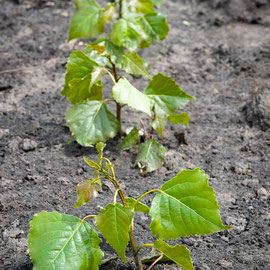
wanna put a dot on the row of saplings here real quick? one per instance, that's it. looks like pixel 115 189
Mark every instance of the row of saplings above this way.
pixel 184 206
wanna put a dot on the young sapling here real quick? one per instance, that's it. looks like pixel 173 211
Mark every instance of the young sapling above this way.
pixel 184 206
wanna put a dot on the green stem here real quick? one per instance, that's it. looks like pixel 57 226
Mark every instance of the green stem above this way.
pixel 131 234
pixel 108 99
pixel 90 216
pixel 144 245
pixel 151 191
pixel 110 74
pixel 148 192
pixel 115 196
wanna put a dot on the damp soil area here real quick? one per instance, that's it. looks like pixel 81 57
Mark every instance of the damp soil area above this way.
pixel 217 51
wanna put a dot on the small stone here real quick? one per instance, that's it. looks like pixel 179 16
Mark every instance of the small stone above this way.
pixel 4 133
pixel 14 144
pixel 252 183
pixel 63 180
pixel 240 168
pixel 262 192
pixel 204 267
pixel 224 238
pixel 29 145
pixel 162 170
pixel 38 179
pixel 64 14
pixel 225 264
pixel 190 241
pixel 176 48
pixel 239 223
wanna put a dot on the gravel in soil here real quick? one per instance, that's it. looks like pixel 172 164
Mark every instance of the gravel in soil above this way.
pixel 222 57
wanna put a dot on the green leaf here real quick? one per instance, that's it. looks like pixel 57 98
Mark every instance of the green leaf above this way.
pixel 133 64
pixel 92 163
pixel 182 118
pixel 190 208
pixel 159 124
pixel 96 91
pixel 168 96
pixel 179 254
pixel 157 2
pixel 78 77
pixel 155 26
pixel 86 191
pixel 87 22
pixel 137 6
pixel 91 122
pixel 128 32
pixel 84 90
pixel 114 223
pixel 99 49
pixel 59 241
pixel 97 75
pixel 124 92
pixel 144 6
pixel 109 13
pixel 79 89
pixel 109 48
pixel 130 140
pixel 140 207
pixel 135 31
pixel 100 147
pixel 152 154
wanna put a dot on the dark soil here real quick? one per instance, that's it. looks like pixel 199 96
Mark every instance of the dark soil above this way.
pixel 222 58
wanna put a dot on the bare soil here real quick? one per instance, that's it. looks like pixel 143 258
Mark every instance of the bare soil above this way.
pixel 222 58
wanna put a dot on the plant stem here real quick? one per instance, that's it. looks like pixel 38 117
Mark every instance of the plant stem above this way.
pixel 118 105
pixel 90 216
pixel 118 114
pixel 144 245
pixel 158 259
pixel 124 201
pixel 111 76
pixel 120 9
pixel 115 196
pixel 144 130
pixel 148 192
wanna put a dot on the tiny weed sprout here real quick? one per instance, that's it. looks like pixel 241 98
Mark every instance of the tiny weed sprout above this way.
pixel 184 206
pixel 89 119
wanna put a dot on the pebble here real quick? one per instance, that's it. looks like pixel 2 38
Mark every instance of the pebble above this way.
pixel 262 192
pixel 14 144
pixel 177 49
pixel 225 264
pixel 12 233
pixel 162 170
pixel 64 14
pixel 29 145
pixel 224 238
pixel 4 133
pixel 252 183
pixel 204 267
pixel 239 223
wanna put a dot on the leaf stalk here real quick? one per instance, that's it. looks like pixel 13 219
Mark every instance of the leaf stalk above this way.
pixel 144 245
pixel 89 216
pixel 158 259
